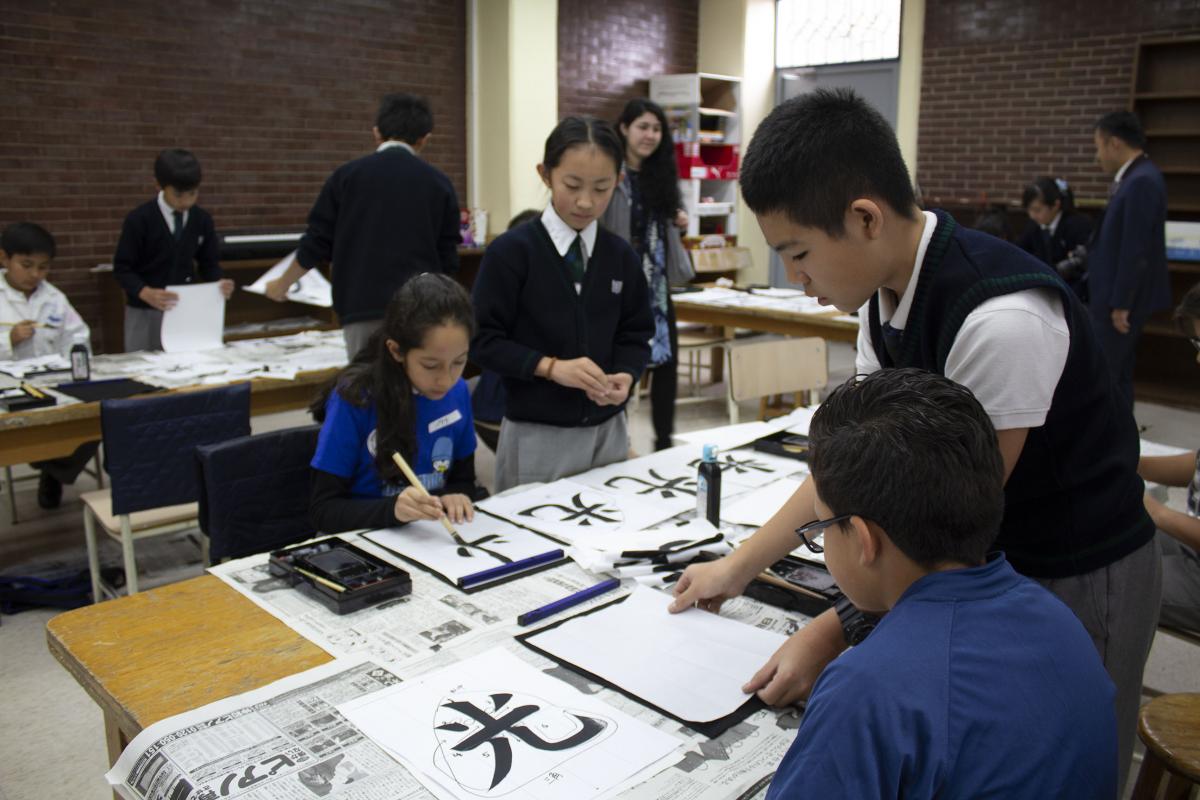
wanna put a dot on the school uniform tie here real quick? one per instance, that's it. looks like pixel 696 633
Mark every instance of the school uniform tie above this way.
pixel 178 231
pixel 891 342
pixel 574 260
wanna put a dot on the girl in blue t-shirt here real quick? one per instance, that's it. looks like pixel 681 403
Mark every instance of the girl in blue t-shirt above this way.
pixel 403 393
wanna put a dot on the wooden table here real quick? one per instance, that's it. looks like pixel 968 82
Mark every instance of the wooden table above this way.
pixel 56 431
pixel 161 652
pixel 768 320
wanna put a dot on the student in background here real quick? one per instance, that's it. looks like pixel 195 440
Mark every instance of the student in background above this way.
pixel 563 317
pixel 1178 531
pixel 1057 233
pixel 167 241
pixel 36 319
pixel 646 212
pixel 1127 263
pixel 402 393
pixel 825 179
pixel 936 701
pixel 488 399
pixel 380 220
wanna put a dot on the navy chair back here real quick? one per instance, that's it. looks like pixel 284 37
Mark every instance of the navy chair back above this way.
pixel 149 442
pixel 255 491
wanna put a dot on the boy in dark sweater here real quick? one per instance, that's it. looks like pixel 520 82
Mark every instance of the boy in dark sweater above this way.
pixel 167 241
pixel 380 220
pixel 825 179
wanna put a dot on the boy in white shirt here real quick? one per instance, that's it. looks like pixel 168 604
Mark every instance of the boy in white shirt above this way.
pixel 36 319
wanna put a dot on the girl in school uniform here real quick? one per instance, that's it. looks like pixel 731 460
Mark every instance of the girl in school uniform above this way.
pixel 646 212
pixel 402 393
pixel 563 317
pixel 1057 233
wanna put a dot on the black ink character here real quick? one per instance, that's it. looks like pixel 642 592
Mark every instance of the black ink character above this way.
pixel 495 730
pixel 581 511
pixel 668 487
pixel 741 467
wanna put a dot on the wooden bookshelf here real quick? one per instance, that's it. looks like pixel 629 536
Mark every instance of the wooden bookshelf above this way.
pixel 1165 94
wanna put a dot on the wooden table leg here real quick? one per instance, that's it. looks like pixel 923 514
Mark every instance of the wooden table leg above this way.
pixel 116 740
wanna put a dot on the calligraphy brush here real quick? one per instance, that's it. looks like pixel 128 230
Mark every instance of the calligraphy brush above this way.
pixel 420 487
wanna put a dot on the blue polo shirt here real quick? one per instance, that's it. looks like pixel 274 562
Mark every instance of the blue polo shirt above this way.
pixel 346 445
pixel 978 683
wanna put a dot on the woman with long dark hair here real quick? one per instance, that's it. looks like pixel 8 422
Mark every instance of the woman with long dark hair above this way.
pixel 646 211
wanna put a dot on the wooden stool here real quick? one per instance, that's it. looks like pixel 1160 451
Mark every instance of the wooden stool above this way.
pixel 1170 728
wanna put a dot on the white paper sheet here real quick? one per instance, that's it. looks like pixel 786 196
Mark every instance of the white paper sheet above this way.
pixel 494 726
pixel 751 469
pixel 691 665
pixel 575 513
pixel 491 542
pixel 664 478
pixel 1156 449
pixel 197 321
pixel 609 553
pixel 758 506
pixel 312 288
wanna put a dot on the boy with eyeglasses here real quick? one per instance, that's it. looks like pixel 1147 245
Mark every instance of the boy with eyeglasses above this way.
pixel 976 681
pixel 830 190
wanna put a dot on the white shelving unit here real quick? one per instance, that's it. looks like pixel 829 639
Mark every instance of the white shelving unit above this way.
pixel 704 111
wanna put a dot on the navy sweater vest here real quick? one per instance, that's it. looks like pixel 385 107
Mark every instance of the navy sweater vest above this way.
pixel 1073 502
pixel 526 307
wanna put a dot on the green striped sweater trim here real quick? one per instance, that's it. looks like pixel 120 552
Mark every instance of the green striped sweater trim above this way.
pixel 934 253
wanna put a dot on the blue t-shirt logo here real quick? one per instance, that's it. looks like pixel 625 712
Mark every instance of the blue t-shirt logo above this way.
pixel 442 455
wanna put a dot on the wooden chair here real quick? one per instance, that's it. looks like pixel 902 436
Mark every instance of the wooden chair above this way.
pixel 149 452
pixel 775 367
pixel 1169 727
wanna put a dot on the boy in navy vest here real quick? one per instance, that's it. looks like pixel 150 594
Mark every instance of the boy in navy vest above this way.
pixel 825 179
pixel 167 241
pixel 937 702
pixel 380 220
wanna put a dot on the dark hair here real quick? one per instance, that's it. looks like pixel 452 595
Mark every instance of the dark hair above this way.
pixel 659 175
pixel 1188 310
pixel 1125 126
pixel 916 454
pixel 373 376
pixel 577 131
pixel 525 216
pixel 1049 191
pixel 404 116
pixel 27 239
pixel 993 221
pixel 178 169
pixel 815 154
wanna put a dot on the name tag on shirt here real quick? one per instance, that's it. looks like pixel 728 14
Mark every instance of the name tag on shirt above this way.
pixel 441 422
pixel 616 287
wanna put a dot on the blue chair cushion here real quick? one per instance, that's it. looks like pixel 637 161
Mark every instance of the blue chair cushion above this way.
pixel 255 491
pixel 149 442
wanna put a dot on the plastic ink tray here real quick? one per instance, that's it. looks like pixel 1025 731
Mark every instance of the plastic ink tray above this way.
pixel 316 569
pixel 788 445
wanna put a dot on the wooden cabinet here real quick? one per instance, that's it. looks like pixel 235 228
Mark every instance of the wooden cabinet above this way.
pixel 1166 97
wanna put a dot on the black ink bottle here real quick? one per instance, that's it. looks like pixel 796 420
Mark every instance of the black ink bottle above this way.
pixel 80 368
pixel 708 487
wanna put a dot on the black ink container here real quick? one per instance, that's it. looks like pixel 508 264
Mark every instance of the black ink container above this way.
pixel 80 368
pixel 708 487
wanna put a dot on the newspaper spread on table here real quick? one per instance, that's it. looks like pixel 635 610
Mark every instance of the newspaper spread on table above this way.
pixel 276 358
pixel 286 741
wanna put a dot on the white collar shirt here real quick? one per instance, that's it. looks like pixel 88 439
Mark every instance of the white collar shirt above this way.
pixel 59 325
pixel 168 214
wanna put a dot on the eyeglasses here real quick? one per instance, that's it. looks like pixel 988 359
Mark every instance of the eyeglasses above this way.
pixel 809 531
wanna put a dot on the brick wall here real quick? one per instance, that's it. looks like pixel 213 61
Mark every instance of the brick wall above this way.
pixel 1010 90
pixel 270 95
pixel 607 50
